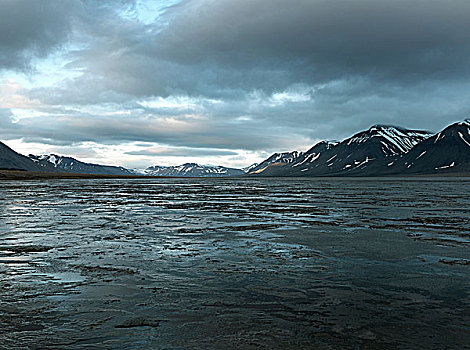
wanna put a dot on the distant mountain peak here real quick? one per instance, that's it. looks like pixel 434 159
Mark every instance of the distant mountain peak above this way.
pixel 54 159
pixel 466 122
pixel 384 127
pixel 281 158
pixel 287 153
pixel 391 130
pixel 394 140
pixel 192 170
pixel 463 126
pixel 328 142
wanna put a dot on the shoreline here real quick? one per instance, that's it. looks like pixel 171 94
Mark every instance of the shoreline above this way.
pixel 37 175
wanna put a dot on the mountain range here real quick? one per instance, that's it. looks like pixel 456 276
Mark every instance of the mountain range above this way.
pixel 382 150
pixel 53 162
pixel 193 170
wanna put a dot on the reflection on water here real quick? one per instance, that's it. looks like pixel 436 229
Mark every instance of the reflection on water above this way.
pixel 235 263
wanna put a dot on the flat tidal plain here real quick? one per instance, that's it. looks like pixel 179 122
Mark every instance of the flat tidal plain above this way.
pixel 235 264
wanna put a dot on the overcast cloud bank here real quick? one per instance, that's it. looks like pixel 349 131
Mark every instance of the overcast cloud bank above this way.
pixel 226 81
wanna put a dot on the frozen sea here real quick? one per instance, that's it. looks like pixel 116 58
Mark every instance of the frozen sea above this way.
pixel 235 264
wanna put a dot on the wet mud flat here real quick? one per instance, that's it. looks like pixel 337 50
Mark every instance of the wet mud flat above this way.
pixel 235 264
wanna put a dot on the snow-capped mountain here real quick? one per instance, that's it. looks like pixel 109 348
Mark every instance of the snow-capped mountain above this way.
pixel 277 159
pixel 360 155
pixel 446 151
pixel 72 165
pixel 193 170
pixel 393 140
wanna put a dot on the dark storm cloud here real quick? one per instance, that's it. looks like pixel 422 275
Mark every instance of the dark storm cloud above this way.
pixel 36 28
pixel 315 40
pixel 31 29
pixel 282 73
pixel 227 47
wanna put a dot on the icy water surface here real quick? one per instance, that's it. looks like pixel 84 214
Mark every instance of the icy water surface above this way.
pixel 235 264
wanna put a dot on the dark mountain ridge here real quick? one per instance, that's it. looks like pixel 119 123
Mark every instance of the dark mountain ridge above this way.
pixel 72 165
pixel 384 150
pixel 358 155
pixel 274 160
pixel 445 152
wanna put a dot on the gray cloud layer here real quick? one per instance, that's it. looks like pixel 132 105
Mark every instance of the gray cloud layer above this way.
pixel 31 29
pixel 261 74
pixel 225 47
pixel 322 40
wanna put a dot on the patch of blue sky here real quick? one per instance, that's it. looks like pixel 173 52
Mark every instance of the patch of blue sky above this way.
pixel 149 11
pixel 50 71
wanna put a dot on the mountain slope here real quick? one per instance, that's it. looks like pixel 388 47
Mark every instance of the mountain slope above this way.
pixel 277 159
pixel 447 151
pixel 250 168
pixel 72 165
pixel 11 160
pixel 363 154
pixel 193 170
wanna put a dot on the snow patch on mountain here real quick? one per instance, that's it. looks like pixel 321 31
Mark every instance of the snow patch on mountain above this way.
pixel 250 168
pixel 394 140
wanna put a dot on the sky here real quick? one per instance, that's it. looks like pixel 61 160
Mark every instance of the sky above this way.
pixel 224 82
